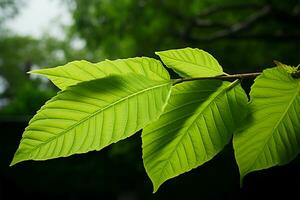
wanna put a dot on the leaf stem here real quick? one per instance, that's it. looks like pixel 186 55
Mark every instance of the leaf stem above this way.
pixel 219 77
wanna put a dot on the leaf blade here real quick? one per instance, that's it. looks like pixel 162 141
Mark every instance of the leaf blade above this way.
pixel 92 115
pixel 186 134
pixel 189 62
pixel 79 71
pixel 270 137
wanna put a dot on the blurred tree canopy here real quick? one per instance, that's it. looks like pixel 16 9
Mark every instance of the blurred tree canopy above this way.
pixel 242 35
pixel 20 93
pixel 19 55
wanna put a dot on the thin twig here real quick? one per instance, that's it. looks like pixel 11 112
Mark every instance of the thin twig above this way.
pixel 220 77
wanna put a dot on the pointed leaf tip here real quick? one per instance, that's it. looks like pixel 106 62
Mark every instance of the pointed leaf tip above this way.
pixel 14 161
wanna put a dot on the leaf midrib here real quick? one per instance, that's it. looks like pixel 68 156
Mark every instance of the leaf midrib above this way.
pixel 276 126
pixel 95 113
pixel 225 89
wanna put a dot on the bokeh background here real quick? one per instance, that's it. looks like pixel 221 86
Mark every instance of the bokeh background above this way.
pixel 245 36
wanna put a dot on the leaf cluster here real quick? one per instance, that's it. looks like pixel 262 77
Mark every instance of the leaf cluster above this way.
pixel 184 124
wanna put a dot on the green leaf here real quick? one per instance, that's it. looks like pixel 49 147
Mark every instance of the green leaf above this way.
pixel 197 123
pixel 190 62
pixel 92 115
pixel 270 135
pixel 79 71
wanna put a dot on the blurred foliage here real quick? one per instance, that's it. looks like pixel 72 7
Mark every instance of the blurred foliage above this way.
pixel 21 93
pixel 242 36
pixel 269 29
pixel 20 54
pixel 27 99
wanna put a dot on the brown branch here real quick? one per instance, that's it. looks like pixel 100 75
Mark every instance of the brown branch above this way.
pixel 221 8
pixel 233 31
pixel 277 37
pixel 209 23
pixel 247 23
